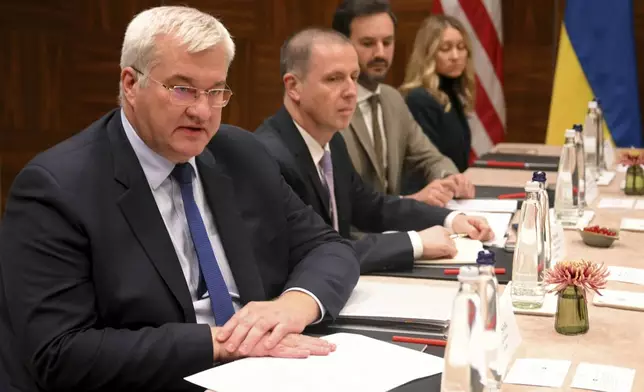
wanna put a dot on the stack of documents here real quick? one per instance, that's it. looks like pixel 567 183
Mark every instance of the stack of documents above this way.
pixel 417 306
pixel 358 364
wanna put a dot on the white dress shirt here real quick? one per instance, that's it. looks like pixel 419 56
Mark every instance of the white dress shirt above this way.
pixel 167 196
pixel 317 152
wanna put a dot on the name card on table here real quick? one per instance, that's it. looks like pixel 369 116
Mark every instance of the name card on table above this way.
pixel 632 224
pixel 626 274
pixel 605 178
pixel 557 239
pixel 620 300
pixel 509 333
pixel 609 154
pixel 540 372
pixel 592 191
pixel 603 378
pixel 617 203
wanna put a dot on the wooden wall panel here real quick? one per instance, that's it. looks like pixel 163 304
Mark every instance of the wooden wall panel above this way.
pixel 60 58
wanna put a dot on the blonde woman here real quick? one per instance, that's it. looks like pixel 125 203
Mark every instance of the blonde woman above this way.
pixel 439 86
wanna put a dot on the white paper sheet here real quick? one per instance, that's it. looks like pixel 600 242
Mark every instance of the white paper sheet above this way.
pixel 609 202
pixel 603 378
pixel 632 224
pixel 639 204
pixel 483 205
pixel 539 372
pixel 358 364
pixel 401 301
pixel 499 222
pixel 626 274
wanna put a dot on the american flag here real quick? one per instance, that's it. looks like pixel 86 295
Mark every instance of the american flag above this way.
pixel 482 20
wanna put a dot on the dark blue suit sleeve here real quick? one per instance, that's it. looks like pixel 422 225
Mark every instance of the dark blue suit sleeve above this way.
pixel 49 293
pixel 322 262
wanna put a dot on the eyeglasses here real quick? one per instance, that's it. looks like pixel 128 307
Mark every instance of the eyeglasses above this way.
pixel 186 95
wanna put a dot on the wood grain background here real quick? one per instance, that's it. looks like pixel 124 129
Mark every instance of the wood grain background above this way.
pixel 60 61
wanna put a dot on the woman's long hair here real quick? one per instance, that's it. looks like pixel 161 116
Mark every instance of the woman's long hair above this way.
pixel 421 68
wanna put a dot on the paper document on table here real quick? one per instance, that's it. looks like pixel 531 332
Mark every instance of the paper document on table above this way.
pixel 639 204
pixel 396 301
pixel 483 205
pixel 359 363
pixel 626 274
pixel 467 252
pixel 608 202
pixel 603 378
pixel 539 372
pixel 499 222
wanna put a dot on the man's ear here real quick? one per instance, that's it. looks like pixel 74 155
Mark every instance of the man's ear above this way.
pixel 292 86
pixel 128 81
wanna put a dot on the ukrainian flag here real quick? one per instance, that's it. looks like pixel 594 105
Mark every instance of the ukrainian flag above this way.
pixel 596 58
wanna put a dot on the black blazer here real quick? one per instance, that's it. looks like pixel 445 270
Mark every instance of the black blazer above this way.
pixel 358 204
pixel 449 131
pixel 92 296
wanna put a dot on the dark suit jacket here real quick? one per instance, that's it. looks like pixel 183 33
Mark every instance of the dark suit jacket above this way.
pixel 357 203
pixel 92 296
pixel 449 131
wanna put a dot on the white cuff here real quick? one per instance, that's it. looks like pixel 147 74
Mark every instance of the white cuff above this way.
pixel 322 310
pixel 416 244
pixel 450 218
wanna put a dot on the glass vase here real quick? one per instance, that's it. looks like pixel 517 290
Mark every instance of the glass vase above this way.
pixel 634 183
pixel 572 312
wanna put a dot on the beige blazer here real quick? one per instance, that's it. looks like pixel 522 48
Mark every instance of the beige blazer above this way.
pixel 408 148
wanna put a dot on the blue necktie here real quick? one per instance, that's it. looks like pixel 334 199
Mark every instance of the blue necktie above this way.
pixel 220 301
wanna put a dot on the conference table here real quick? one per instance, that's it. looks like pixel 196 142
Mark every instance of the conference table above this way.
pixel 616 337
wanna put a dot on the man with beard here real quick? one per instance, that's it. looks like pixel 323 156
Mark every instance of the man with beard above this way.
pixel 319 70
pixel 383 139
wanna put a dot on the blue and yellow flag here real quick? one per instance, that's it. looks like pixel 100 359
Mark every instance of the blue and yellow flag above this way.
pixel 596 58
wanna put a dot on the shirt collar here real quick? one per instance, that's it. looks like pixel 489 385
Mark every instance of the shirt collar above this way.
pixel 316 151
pixel 155 167
pixel 364 94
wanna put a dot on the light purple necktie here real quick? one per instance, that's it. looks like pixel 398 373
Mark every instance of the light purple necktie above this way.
pixel 327 170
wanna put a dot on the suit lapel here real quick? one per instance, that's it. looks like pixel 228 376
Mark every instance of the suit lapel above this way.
pixel 219 191
pixel 393 139
pixel 360 129
pixel 283 123
pixel 140 210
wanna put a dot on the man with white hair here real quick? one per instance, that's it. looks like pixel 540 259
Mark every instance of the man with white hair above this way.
pixel 131 257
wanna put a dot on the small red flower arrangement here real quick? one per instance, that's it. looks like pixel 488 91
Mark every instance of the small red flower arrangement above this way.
pixel 631 158
pixel 583 274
